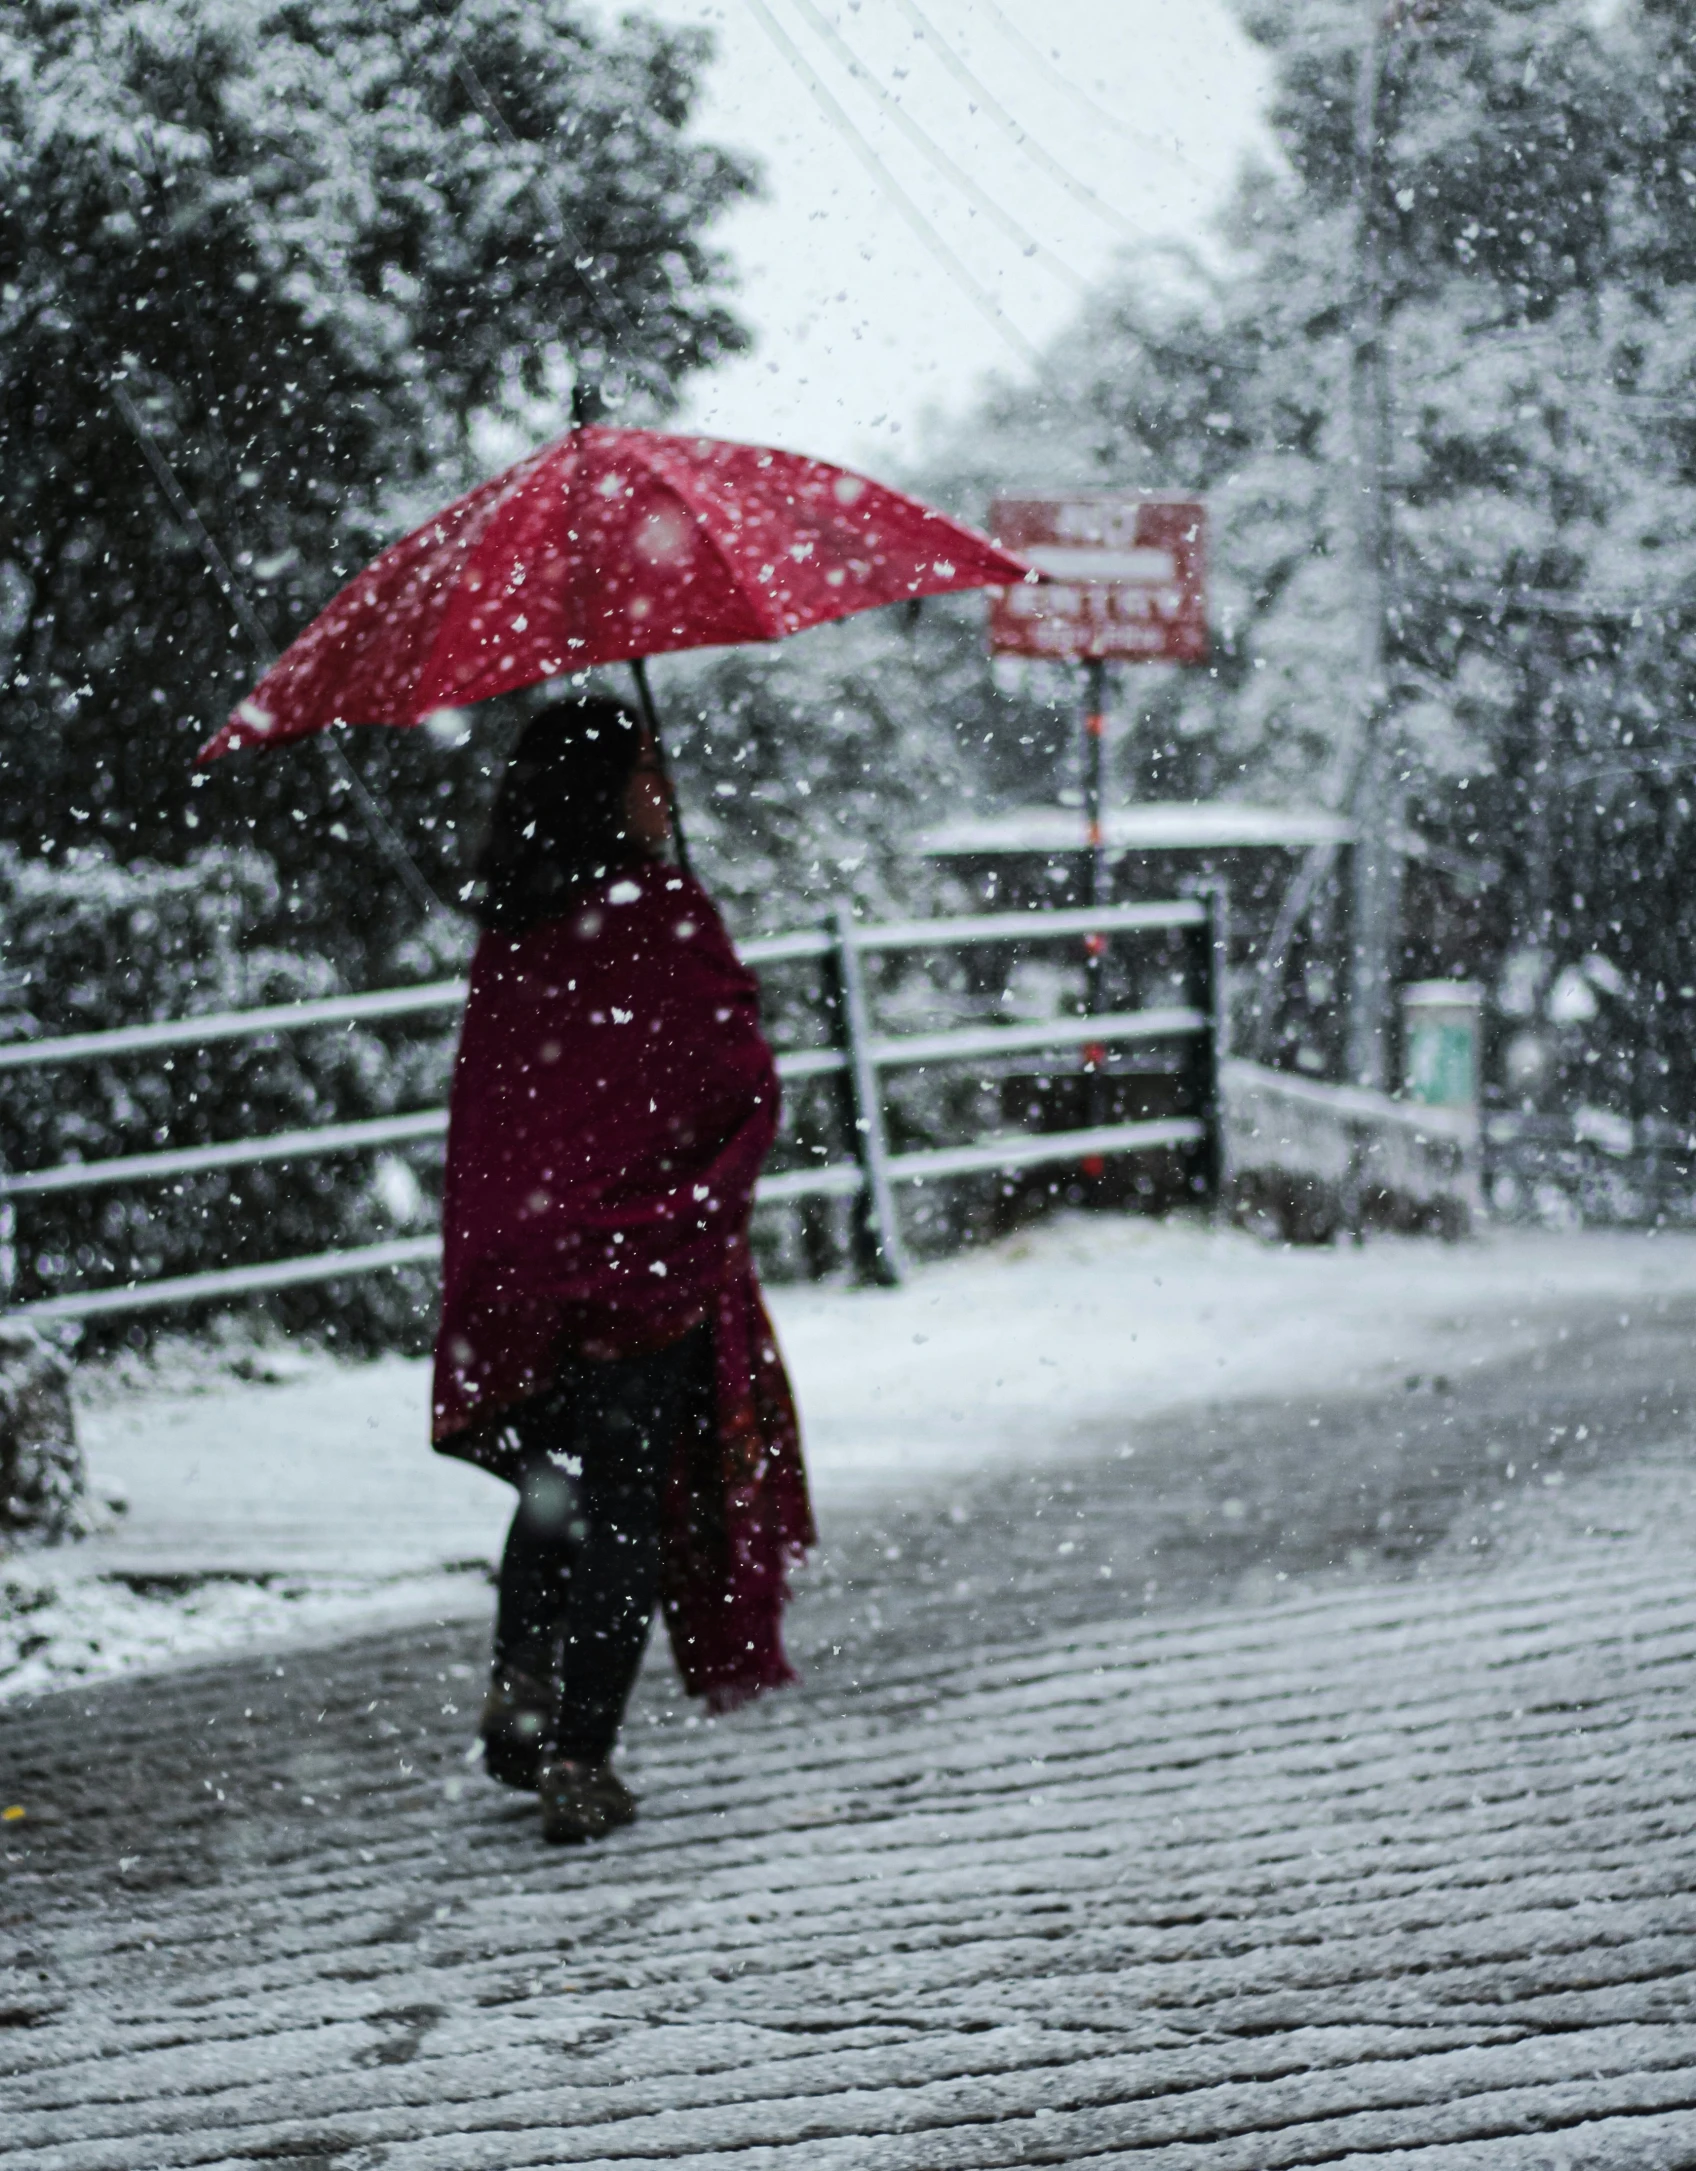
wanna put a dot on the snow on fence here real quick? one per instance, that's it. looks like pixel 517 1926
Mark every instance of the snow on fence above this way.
pixel 1320 1158
pixel 858 1060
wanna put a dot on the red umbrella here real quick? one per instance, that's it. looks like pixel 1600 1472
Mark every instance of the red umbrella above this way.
pixel 608 546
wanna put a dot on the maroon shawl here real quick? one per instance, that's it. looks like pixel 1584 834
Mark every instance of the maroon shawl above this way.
pixel 612 1103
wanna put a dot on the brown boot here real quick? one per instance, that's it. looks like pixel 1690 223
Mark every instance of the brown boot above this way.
pixel 582 1801
pixel 516 1712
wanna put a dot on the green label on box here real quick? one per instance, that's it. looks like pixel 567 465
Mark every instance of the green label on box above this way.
pixel 1441 1063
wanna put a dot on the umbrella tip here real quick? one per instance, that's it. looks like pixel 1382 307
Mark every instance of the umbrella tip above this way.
pixel 587 404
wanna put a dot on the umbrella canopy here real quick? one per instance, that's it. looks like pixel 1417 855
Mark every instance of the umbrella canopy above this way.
pixel 606 546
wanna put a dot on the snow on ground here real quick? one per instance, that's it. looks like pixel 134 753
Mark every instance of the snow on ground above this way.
pixel 306 1504
pixel 62 1621
pixel 1047 1341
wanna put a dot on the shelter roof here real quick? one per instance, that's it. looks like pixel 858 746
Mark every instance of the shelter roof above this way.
pixel 1162 826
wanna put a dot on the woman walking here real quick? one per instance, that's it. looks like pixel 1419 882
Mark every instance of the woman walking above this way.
pixel 603 1345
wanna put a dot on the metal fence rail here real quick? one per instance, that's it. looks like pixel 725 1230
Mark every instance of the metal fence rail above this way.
pixel 859 1060
pixel 233 1281
pixel 321 1138
pixel 1326 1158
pixel 232 1025
pixel 256 1024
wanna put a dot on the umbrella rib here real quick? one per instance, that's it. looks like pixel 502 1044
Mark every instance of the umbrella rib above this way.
pixel 774 629
pixel 511 481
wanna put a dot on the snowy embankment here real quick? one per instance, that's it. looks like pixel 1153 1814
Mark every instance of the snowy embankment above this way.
pixel 266 1509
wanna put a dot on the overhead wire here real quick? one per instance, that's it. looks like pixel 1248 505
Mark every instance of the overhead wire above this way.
pixel 930 149
pixel 1010 30
pixel 980 298
pixel 1037 152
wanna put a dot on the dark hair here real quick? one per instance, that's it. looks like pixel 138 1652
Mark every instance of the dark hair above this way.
pixel 557 824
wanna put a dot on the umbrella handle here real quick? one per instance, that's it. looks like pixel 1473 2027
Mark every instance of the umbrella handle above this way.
pixel 651 718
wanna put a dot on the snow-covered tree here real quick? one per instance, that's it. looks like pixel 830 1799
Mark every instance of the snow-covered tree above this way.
pixel 309 257
pixel 811 769
pixel 1532 214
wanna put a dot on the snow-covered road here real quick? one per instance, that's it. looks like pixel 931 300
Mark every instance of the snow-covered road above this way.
pixel 263 1513
pixel 1265 1743
pixel 1391 1872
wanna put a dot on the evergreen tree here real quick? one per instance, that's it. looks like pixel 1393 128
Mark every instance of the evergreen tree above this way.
pixel 1532 214
pixel 811 770
pixel 313 259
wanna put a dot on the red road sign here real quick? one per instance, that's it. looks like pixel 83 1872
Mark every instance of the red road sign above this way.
pixel 1126 578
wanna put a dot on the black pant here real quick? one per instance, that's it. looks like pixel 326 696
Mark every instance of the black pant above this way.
pixel 581 1569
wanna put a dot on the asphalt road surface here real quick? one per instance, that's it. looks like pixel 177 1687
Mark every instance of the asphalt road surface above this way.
pixel 1303 1784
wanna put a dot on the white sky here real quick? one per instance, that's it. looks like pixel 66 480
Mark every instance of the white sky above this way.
pixel 860 330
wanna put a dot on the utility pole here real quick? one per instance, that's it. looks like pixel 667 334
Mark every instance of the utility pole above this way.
pixel 1378 808
pixel 1094 749
pixel 1095 945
